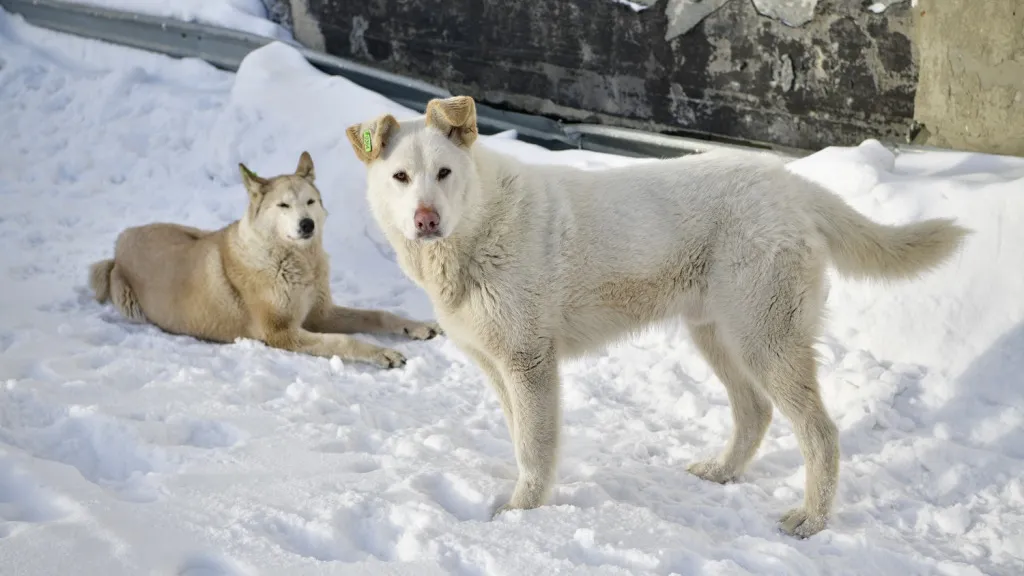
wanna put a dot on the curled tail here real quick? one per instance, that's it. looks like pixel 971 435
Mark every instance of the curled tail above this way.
pixel 99 279
pixel 862 248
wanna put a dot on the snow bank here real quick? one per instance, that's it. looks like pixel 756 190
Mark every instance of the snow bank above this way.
pixel 124 450
pixel 245 15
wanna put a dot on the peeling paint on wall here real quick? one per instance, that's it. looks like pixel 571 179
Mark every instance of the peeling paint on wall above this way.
pixel 279 12
pixel 683 15
pixel 636 6
pixel 790 12
pixel 879 6
pixel 844 76
pixel 305 27
pixel 782 73
pixel 356 40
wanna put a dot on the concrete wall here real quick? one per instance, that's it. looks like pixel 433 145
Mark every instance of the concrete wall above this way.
pixel 802 73
pixel 971 89
pixel 845 75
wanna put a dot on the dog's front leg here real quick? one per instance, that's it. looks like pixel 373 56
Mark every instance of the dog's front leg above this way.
pixel 532 384
pixel 497 381
pixel 329 345
pixel 340 320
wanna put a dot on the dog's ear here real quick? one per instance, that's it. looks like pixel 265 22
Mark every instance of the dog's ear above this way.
pixel 369 138
pixel 305 168
pixel 455 117
pixel 253 183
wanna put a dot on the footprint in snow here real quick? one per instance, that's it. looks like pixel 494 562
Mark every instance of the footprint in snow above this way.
pixel 102 449
pixel 352 534
pixel 23 501
pixel 213 565
pixel 454 495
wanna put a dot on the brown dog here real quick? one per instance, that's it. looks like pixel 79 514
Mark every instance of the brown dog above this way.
pixel 263 277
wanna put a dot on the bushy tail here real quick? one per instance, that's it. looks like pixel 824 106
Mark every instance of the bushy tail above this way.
pixel 861 248
pixel 99 279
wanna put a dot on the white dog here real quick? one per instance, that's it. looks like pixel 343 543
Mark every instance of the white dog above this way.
pixel 526 265
pixel 265 277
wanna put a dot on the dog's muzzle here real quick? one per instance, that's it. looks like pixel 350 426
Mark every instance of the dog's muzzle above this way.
pixel 428 223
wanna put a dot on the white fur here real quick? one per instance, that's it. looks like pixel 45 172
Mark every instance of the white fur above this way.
pixel 542 263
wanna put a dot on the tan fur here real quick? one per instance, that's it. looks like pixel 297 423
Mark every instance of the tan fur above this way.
pixel 539 263
pixel 380 129
pixel 256 278
pixel 99 279
pixel 455 117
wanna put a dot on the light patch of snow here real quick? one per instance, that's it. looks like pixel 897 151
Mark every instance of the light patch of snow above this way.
pixel 245 15
pixel 131 451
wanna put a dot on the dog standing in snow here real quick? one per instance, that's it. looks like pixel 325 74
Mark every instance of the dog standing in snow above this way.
pixel 527 265
pixel 263 277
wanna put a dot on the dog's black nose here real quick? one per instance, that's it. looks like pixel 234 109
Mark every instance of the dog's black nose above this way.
pixel 306 226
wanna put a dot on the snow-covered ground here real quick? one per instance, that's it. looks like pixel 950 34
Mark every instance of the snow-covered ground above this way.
pixel 245 15
pixel 124 450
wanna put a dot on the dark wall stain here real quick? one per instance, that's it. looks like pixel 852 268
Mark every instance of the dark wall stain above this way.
pixel 845 76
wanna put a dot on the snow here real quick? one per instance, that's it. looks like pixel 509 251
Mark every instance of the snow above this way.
pixel 124 450
pixel 244 15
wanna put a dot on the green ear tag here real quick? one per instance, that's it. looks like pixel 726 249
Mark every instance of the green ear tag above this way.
pixel 367 145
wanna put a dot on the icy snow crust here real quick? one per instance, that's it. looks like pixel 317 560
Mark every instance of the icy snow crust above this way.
pixel 124 450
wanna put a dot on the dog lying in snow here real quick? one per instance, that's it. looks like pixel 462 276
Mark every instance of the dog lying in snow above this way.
pixel 526 265
pixel 263 277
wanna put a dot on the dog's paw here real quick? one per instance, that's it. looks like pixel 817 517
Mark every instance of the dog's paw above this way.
pixel 798 523
pixel 502 509
pixel 711 470
pixel 422 330
pixel 387 358
pixel 522 499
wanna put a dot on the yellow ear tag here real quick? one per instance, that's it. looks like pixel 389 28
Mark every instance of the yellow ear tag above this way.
pixel 367 144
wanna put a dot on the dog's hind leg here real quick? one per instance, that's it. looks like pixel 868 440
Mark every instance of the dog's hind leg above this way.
pixel 751 409
pixel 123 297
pixel 781 306
pixel 791 382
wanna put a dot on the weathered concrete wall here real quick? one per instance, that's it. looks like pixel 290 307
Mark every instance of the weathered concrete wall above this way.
pixel 279 11
pixel 846 75
pixel 971 91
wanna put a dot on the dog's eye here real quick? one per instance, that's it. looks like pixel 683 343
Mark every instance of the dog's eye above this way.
pixel 443 173
pixel 283 205
pixel 310 203
pixel 401 176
